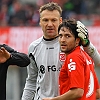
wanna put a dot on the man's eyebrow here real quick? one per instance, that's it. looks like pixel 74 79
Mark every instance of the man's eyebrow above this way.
pixel 63 28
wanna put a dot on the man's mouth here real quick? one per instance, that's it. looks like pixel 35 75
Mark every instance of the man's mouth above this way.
pixel 50 30
pixel 63 45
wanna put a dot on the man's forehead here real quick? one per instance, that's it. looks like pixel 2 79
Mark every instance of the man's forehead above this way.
pixel 50 13
pixel 64 28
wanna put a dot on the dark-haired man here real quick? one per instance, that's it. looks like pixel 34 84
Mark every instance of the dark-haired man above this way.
pixel 77 79
pixel 9 56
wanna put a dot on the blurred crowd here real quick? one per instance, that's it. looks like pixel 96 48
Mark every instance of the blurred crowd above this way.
pixel 16 13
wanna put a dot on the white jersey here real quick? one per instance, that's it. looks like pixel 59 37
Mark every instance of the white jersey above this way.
pixel 43 74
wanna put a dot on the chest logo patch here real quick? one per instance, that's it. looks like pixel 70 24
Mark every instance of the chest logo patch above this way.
pixel 62 56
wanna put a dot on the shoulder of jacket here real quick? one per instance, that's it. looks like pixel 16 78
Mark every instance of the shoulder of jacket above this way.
pixel 34 44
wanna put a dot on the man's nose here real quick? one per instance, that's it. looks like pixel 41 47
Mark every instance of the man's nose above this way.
pixel 49 23
pixel 63 39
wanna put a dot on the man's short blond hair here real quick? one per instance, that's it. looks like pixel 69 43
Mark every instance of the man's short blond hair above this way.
pixel 51 6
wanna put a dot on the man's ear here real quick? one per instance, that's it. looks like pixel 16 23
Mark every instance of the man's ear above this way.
pixel 60 20
pixel 78 41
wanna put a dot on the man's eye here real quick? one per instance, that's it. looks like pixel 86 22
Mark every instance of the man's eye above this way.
pixel 67 36
pixel 53 20
pixel 45 20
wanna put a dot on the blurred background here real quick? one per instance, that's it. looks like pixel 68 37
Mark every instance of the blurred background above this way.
pixel 19 26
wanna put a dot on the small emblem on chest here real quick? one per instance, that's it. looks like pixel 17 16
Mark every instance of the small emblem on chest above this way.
pixel 62 56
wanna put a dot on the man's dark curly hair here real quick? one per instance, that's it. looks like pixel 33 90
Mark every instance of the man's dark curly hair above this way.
pixel 70 24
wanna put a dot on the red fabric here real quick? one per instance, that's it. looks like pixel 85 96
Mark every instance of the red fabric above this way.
pixel 76 72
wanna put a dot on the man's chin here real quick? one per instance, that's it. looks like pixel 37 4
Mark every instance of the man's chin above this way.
pixel 63 50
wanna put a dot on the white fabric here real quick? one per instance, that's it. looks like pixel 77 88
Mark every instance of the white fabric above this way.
pixel 46 54
pixel 92 51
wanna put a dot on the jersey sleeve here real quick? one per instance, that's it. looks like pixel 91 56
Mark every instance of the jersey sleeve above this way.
pixel 17 58
pixel 92 51
pixel 30 85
